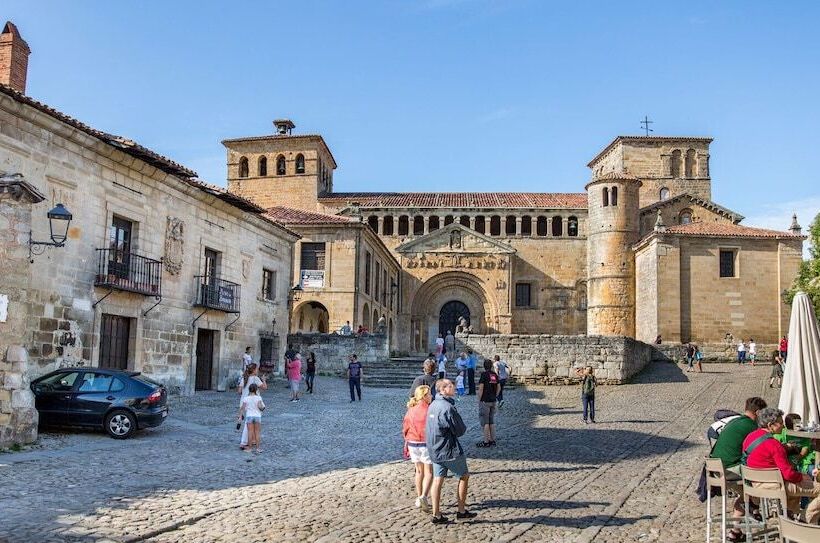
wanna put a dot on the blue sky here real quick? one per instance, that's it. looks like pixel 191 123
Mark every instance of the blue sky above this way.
pixel 449 95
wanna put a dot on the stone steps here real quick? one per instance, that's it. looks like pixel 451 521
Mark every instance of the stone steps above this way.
pixel 398 372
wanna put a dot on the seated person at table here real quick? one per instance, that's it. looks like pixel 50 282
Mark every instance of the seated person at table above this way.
pixel 762 451
pixel 799 449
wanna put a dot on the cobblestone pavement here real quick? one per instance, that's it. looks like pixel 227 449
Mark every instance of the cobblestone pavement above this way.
pixel 330 470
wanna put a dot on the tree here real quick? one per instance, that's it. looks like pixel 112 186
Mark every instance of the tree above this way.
pixel 808 278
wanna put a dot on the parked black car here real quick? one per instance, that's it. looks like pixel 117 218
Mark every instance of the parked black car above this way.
pixel 120 402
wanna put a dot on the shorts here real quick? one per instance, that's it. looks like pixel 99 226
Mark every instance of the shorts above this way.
pixel 252 420
pixel 294 385
pixel 457 466
pixel 419 454
pixel 486 412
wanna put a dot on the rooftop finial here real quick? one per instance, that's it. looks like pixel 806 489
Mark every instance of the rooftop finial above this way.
pixel 659 226
pixel 795 228
pixel 645 125
pixel 283 126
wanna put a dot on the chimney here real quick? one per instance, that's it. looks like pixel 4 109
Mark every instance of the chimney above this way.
pixel 283 126
pixel 14 54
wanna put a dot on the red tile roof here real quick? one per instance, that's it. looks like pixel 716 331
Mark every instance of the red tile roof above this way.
pixel 676 139
pixel 290 216
pixel 458 199
pixel 725 229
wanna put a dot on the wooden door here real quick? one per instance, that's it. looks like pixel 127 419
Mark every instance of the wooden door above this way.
pixel 204 359
pixel 115 335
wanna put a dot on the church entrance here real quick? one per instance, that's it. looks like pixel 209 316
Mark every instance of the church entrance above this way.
pixel 450 315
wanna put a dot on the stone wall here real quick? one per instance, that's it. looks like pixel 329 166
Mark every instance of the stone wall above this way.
pixel 548 360
pixel 332 350
pixel 714 352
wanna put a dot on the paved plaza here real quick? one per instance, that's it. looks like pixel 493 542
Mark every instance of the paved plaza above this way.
pixel 331 469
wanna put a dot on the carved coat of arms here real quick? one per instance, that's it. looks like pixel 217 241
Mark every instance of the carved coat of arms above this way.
pixel 174 245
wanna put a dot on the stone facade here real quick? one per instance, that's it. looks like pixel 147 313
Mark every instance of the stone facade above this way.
pixel 549 360
pixel 332 350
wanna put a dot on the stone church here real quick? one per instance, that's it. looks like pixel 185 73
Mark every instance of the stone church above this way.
pixel 643 252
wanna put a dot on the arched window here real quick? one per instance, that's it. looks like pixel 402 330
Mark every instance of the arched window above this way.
pixel 464 220
pixel 404 225
pixel 664 193
pixel 300 163
pixel 418 225
pixel 674 164
pixel 280 165
pixel 557 226
pixel 509 227
pixel 605 196
pixel 572 227
pixel 685 216
pixel 526 225
pixel 613 196
pixel 243 166
pixel 387 226
pixel 448 220
pixel 541 226
pixel 263 166
pixel 373 223
pixel 479 224
pixel 495 225
pixel 434 223
pixel 689 163
pixel 366 316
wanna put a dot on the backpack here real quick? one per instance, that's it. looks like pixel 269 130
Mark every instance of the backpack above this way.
pixel 722 418
pixel 588 386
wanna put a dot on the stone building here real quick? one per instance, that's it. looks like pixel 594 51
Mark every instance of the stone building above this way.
pixel 161 272
pixel 591 262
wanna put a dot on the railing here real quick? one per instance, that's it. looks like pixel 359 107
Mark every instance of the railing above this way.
pixel 128 271
pixel 217 294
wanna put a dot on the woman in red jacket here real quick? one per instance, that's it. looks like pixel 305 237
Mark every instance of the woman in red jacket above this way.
pixel 416 444
pixel 762 451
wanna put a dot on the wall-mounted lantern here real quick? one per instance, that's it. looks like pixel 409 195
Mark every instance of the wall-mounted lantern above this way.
pixel 59 219
pixel 296 293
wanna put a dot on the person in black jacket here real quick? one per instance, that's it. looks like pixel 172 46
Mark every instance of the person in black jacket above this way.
pixel 444 427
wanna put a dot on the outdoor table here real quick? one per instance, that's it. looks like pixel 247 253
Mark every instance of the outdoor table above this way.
pixel 804 433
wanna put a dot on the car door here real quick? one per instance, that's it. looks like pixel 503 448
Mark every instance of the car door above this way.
pixel 52 397
pixel 91 399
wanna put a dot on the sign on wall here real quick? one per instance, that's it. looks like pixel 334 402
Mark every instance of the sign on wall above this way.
pixel 4 307
pixel 313 278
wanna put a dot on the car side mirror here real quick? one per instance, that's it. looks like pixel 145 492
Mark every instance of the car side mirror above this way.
pixel 41 387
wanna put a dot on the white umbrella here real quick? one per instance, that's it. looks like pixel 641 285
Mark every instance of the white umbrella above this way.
pixel 801 381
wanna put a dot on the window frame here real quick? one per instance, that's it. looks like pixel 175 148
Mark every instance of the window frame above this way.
pixel 735 252
pixel 529 304
pixel 268 284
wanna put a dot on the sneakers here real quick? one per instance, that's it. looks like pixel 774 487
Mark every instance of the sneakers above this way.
pixel 466 515
pixel 423 504
pixel 417 504
pixel 441 520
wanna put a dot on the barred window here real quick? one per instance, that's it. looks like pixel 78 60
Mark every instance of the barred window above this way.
pixel 268 285
pixel 313 256
pixel 523 295
pixel 727 263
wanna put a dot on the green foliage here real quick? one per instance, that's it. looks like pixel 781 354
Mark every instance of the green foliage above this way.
pixel 808 278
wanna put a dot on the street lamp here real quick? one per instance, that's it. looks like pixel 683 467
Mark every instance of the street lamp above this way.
pixel 296 293
pixel 59 219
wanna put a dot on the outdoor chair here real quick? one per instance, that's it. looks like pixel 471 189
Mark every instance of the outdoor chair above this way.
pixel 716 478
pixel 765 485
pixel 797 532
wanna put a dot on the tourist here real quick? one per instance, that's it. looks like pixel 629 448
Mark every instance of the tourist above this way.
pixel 247 359
pixel 461 362
pixel 488 387
pixel 310 372
pixel 658 339
pixel 442 365
pixel 698 359
pixel 249 378
pixel 763 452
pixel 381 325
pixel 800 450
pixel 752 351
pixel 460 384
pixel 428 377
pixel 294 369
pixel 346 330
pixel 472 359
pixel 354 377
pixel 444 427
pixel 784 348
pixel 741 352
pixel 251 411
pixel 501 368
pixel 690 357
pixel 413 428
pixel 777 370
pixel 450 342
pixel 439 345
pixel 729 448
pixel 588 384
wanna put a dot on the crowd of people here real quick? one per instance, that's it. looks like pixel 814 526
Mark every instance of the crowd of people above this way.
pixel 758 439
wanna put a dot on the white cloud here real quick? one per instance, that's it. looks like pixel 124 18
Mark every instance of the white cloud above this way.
pixel 778 215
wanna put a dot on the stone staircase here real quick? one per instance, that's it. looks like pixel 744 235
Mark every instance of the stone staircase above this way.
pixel 397 372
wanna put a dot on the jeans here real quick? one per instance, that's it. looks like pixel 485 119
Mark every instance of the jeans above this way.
pixel 589 406
pixel 471 380
pixel 741 357
pixel 501 383
pixel 355 383
pixel 309 377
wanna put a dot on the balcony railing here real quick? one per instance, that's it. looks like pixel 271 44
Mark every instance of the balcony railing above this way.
pixel 217 294
pixel 128 271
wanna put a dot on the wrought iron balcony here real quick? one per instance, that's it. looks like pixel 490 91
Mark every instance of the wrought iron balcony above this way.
pixel 217 294
pixel 128 271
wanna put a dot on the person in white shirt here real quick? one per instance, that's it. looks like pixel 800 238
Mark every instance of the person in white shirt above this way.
pixel 442 366
pixel 249 378
pixel 247 359
pixel 346 330
pixel 752 350
pixel 503 371
pixel 251 410
pixel 741 352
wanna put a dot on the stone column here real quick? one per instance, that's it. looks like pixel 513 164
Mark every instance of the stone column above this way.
pixel 380 227
pixel 503 228
pixel 564 226
pixel 549 226
pixel 533 225
pixel 472 222
pixel 395 225
pixel 427 224
pixel 518 221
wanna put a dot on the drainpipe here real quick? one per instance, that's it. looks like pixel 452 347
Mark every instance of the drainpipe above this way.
pixel 356 278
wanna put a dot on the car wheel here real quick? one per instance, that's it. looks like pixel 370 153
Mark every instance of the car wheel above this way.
pixel 120 424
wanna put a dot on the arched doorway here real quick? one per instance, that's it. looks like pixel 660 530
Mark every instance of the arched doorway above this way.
pixel 311 316
pixel 450 315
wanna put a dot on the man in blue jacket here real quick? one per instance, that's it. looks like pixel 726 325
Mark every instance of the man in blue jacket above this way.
pixel 472 361
pixel 444 427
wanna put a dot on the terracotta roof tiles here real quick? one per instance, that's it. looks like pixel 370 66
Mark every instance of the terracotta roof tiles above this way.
pixel 725 229
pixel 290 216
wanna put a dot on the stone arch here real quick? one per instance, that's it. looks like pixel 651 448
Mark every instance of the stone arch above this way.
pixel 311 316
pixel 262 166
pixel 366 316
pixel 690 164
pixel 675 163
pixel 243 166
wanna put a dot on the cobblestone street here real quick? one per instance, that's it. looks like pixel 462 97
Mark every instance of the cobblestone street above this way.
pixel 331 470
